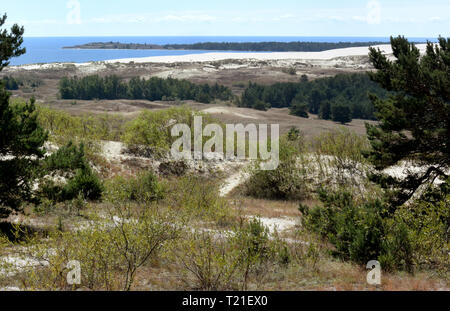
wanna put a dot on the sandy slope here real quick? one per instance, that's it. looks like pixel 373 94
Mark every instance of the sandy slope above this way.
pixel 210 57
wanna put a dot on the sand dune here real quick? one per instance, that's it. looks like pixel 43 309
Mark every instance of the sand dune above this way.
pixel 217 56
pixel 321 58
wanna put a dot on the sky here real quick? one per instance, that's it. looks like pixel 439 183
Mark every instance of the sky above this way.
pixel 356 18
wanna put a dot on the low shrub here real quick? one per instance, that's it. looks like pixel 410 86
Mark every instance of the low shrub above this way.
pixel 152 129
pixel 198 197
pixel 286 182
pixel 413 236
pixel 110 250
pixel 355 230
pixel 173 168
pixel 86 183
pixel 424 224
pixel 145 187
pixel 70 163
pixel 227 260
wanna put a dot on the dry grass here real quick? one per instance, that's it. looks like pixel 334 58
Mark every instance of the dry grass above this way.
pixel 265 208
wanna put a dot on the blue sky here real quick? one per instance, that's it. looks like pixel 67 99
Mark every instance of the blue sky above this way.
pixel 412 18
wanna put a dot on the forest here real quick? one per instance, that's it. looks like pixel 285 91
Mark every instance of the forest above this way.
pixel 112 87
pixel 270 46
pixel 316 97
pixel 232 46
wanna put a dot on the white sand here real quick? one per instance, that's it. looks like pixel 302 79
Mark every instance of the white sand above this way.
pixel 227 110
pixel 277 224
pixel 232 182
pixel 217 56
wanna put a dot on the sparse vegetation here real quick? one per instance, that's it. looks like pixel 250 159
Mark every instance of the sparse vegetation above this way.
pixel 140 220
pixel 287 181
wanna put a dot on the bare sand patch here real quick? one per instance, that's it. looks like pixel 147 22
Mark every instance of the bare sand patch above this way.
pixel 229 110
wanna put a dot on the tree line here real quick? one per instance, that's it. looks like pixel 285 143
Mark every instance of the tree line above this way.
pixel 330 98
pixel 269 46
pixel 232 46
pixel 112 87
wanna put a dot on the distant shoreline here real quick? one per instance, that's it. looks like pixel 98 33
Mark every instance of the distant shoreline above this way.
pixel 296 46
pixel 329 58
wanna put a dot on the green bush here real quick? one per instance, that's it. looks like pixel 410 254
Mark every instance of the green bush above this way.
pixel 341 113
pixel 414 236
pixel 285 182
pixel 153 128
pixel 355 230
pixel 86 183
pixel 144 188
pixel 70 162
pixel 299 109
pixel 198 198
pixel 424 224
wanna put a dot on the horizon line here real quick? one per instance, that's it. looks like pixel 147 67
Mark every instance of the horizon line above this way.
pixel 218 36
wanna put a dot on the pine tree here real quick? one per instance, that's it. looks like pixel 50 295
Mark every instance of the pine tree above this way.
pixel 21 138
pixel 325 110
pixel 341 113
pixel 415 119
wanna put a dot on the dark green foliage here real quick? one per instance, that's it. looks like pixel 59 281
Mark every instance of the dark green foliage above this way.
pixel 413 236
pixel 350 90
pixel 268 46
pixel 356 230
pixel 299 109
pixel 287 181
pixel 415 119
pixel 252 97
pixel 70 161
pixel 10 43
pixel 85 183
pixel 325 110
pixel 231 46
pixel 21 137
pixel 143 188
pixel 10 83
pixel 341 113
pixel 69 157
pixel 21 142
pixel 294 134
pixel 111 87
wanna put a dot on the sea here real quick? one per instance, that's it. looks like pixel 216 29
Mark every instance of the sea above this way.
pixel 41 50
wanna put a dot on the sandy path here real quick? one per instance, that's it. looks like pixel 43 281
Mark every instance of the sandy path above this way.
pixel 232 182
pixel 227 110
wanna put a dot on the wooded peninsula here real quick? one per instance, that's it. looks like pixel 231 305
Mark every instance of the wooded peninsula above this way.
pixel 231 46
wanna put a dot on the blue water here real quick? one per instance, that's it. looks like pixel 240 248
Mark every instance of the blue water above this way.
pixel 50 49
